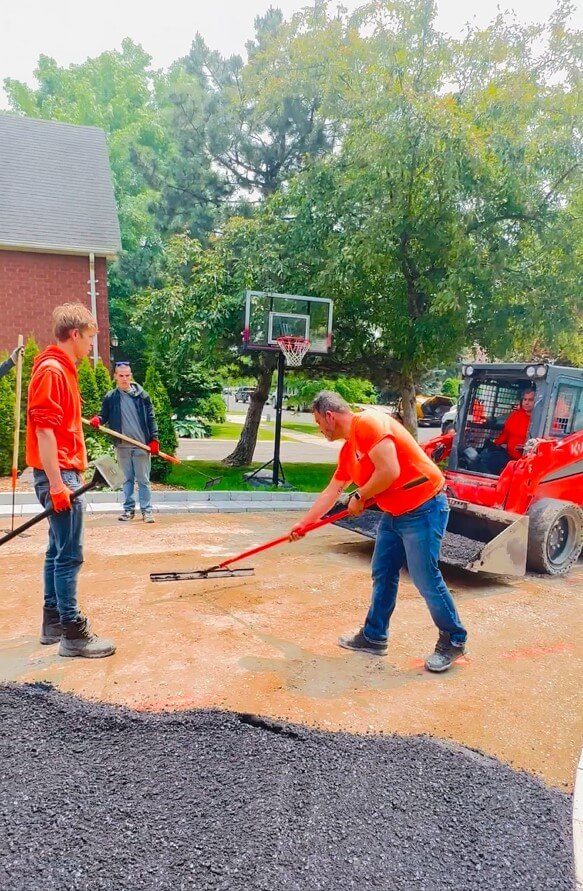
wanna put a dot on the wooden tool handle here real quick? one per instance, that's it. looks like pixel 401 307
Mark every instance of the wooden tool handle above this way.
pixel 133 442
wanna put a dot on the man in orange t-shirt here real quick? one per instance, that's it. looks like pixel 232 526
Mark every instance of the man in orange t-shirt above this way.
pixel 55 448
pixel 516 426
pixel 389 466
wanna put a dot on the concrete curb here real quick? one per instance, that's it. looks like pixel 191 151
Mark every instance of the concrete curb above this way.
pixel 175 502
pixel 578 824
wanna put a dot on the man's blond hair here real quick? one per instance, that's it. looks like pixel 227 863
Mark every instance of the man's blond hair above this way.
pixel 71 316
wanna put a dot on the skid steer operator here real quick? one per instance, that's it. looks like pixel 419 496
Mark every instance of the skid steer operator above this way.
pixel 509 444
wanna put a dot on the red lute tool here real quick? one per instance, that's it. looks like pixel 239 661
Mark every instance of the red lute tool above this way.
pixel 221 570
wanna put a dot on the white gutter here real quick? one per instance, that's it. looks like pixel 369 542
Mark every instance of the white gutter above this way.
pixel 93 293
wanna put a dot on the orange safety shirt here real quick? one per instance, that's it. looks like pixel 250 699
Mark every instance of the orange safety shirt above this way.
pixel 367 429
pixel 514 432
pixel 54 403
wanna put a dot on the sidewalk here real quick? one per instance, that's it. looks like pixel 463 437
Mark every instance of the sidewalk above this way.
pixel 173 502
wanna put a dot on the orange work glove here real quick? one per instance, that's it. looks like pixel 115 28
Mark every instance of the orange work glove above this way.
pixel 61 500
pixel 154 447
pixel 95 421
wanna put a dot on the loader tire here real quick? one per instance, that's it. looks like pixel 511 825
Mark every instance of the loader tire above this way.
pixel 555 536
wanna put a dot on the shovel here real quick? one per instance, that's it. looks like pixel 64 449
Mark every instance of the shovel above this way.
pixel 210 481
pixel 107 474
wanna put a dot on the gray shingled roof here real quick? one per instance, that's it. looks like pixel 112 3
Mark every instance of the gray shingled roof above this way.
pixel 56 192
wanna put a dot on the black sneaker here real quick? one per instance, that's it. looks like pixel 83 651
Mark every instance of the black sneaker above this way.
pixel 127 515
pixel 445 653
pixel 362 644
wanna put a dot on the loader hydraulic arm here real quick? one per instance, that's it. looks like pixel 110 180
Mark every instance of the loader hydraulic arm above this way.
pixel 544 457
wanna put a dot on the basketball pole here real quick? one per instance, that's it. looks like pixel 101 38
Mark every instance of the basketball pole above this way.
pixel 278 413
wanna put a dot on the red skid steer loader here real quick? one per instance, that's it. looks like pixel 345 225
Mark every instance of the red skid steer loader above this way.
pixel 509 514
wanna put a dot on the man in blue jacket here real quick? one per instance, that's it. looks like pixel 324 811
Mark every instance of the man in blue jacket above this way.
pixel 128 409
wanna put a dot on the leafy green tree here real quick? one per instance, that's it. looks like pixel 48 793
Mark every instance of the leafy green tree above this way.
pixel 458 162
pixel 354 390
pixel 163 410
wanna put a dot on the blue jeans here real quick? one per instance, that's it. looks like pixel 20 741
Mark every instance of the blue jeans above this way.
pixel 135 465
pixel 64 555
pixel 413 538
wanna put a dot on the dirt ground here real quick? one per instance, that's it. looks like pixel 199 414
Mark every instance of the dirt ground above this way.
pixel 266 644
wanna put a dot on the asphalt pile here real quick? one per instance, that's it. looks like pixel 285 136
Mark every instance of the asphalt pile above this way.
pixel 100 797
pixel 459 549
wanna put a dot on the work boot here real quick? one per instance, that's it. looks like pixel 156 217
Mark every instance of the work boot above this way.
pixel 363 644
pixel 445 653
pixel 52 629
pixel 147 516
pixel 79 640
pixel 127 515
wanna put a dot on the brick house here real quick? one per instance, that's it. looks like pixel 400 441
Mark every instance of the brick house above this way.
pixel 58 226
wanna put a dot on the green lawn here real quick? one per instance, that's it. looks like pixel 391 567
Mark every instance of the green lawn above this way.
pixel 300 428
pixel 230 430
pixel 191 475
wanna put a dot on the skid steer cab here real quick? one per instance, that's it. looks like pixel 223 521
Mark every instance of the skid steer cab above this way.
pixel 514 470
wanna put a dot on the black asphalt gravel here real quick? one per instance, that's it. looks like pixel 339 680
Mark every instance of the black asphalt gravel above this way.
pixel 96 797
pixel 459 550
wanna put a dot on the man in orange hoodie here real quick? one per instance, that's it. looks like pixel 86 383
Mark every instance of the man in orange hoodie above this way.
pixel 55 448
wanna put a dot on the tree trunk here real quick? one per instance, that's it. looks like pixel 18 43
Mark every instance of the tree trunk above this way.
pixel 409 403
pixel 242 455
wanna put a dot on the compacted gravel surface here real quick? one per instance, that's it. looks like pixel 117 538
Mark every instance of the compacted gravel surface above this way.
pixel 93 796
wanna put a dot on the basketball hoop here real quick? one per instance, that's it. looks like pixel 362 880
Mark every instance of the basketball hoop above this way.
pixel 294 349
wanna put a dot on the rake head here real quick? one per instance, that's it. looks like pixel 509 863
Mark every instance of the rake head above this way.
pixel 214 572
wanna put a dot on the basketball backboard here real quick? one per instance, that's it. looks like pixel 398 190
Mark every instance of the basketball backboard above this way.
pixel 269 316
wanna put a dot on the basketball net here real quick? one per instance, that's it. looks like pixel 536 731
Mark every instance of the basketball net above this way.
pixel 294 349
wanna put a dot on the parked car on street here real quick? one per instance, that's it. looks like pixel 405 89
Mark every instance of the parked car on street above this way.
pixel 448 420
pixel 243 394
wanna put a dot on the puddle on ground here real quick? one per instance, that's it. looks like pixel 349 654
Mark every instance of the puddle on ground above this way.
pixel 25 659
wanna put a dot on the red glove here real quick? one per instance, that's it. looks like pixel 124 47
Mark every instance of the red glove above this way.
pixel 61 500
pixel 95 421
pixel 154 447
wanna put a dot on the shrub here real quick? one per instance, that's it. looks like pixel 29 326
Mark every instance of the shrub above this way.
pixel 451 387
pixel 192 429
pixel 6 422
pixel 211 409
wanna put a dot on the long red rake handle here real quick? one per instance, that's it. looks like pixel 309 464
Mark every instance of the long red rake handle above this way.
pixel 309 528
pixel 282 538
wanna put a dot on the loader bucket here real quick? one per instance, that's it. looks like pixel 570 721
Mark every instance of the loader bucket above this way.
pixel 478 539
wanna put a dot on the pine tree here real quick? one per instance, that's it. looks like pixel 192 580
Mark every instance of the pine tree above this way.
pixel 167 435
pixel 102 379
pixel 88 389
pixel 31 351
pixel 6 423
pixel 90 405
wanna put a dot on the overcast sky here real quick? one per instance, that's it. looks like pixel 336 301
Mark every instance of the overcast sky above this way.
pixel 73 30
